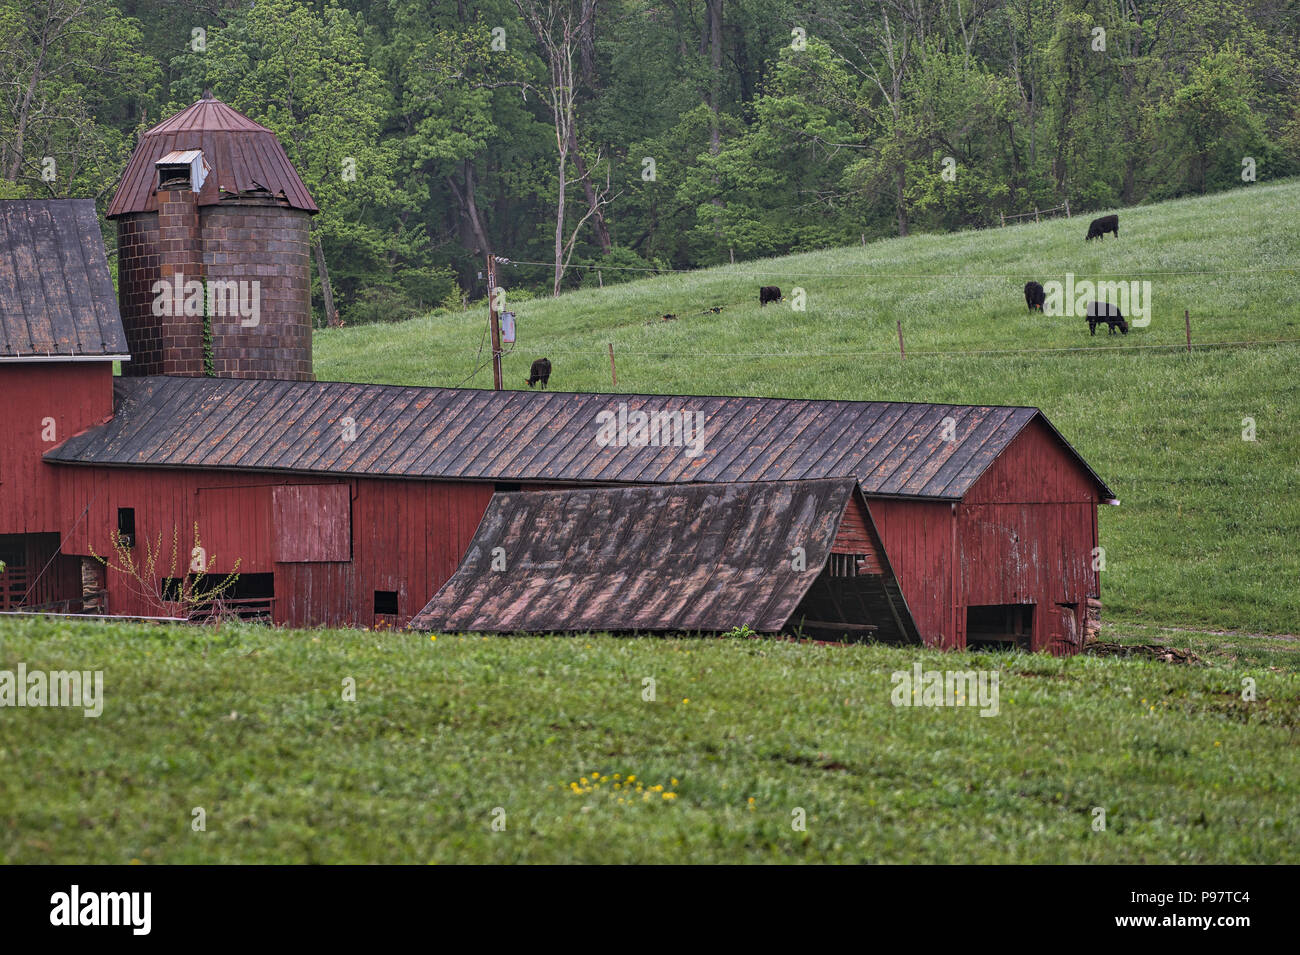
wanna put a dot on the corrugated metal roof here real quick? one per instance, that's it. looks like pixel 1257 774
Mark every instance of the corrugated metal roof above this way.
pixel 680 558
pixel 894 449
pixel 244 157
pixel 56 296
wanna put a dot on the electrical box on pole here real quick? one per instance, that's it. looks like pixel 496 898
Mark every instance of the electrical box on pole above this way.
pixel 494 321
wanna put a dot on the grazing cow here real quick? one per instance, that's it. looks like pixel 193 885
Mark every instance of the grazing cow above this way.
pixel 1034 296
pixel 768 293
pixel 540 371
pixel 1099 312
pixel 1103 225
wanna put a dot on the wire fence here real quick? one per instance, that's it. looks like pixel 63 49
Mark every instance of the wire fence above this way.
pixel 733 271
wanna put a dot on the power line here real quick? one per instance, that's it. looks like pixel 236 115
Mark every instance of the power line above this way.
pixel 667 353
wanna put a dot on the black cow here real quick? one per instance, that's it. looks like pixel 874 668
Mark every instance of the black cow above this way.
pixel 1099 312
pixel 768 293
pixel 540 371
pixel 1103 225
pixel 1034 296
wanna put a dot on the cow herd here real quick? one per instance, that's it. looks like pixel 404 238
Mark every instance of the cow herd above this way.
pixel 1097 313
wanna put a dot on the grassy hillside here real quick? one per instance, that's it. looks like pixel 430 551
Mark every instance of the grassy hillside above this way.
pixel 249 725
pixel 1206 532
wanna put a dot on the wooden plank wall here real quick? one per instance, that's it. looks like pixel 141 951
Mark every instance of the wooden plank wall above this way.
pixel 918 539
pixel 75 395
pixel 1026 534
pixel 407 536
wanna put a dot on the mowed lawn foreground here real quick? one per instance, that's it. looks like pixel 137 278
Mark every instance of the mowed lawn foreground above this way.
pixel 544 734
pixel 1205 535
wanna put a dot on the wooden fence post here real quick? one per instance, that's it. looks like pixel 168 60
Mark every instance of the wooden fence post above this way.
pixel 1187 323
pixel 600 278
pixel 1067 208
pixel 1035 213
pixel 613 372
pixel 1003 217
pixel 901 351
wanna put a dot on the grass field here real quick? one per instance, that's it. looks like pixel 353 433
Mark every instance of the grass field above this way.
pixel 448 735
pixel 1206 532
pixel 249 725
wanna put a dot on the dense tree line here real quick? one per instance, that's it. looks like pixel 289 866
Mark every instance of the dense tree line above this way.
pixel 660 133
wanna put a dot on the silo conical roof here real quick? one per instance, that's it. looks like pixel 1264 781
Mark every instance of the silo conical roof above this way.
pixel 244 156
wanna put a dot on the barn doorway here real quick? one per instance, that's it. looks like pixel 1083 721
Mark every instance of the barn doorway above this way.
pixel 1000 627
pixel 14 578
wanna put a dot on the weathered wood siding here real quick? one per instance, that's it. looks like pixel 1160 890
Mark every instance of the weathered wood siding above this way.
pixel 1026 535
pixel 40 400
pixel 405 536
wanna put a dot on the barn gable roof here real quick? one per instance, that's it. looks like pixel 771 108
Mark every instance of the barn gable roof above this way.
pixel 245 158
pixel 56 296
pixel 894 449
pixel 697 557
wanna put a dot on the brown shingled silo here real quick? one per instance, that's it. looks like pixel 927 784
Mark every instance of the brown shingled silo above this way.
pixel 211 205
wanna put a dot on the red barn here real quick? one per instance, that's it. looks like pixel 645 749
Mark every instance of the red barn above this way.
pixel 359 504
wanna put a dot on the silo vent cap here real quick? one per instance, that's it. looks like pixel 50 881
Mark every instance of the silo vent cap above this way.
pixel 182 169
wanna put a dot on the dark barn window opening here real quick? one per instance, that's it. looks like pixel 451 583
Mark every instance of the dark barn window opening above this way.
pixel 249 597
pixel 126 525
pixel 844 565
pixel 386 603
pixel 1000 626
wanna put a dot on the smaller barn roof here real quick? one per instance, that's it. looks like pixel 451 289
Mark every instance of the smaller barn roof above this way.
pixel 245 158
pixel 56 296
pixel 678 558
pixel 894 448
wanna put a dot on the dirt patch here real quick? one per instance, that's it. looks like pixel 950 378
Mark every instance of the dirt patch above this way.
pixel 1143 651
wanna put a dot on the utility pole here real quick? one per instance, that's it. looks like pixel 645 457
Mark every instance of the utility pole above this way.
pixel 494 321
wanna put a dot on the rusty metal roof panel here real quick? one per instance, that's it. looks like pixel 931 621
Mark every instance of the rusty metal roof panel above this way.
pixel 56 296
pixel 244 156
pixel 695 557
pixel 892 448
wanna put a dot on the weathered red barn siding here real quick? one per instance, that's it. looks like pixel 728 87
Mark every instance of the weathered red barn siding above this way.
pixel 1026 535
pixel 854 537
pixel 403 536
pixel 75 395
pixel 918 538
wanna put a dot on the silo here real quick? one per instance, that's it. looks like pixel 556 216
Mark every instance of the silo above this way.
pixel 213 226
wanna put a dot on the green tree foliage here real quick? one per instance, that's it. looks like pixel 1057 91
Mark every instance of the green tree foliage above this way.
pixel 68 71
pixel 707 129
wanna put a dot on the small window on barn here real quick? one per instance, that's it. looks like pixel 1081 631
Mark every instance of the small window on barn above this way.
pixel 844 565
pixel 507 487
pixel 386 602
pixel 126 525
